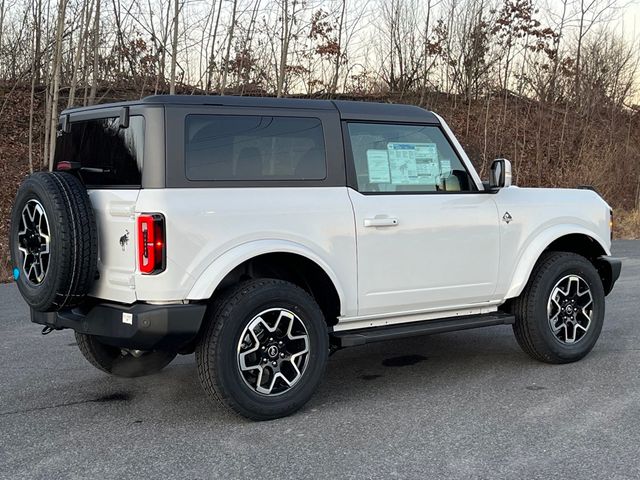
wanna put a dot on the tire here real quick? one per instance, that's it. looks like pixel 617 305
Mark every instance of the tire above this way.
pixel 556 294
pixel 294 316
pixel 115 361
pixel 52 213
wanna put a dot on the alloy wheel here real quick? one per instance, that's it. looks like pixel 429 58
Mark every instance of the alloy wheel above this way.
pixel 570 309
pixel 273 351
pixel 34 241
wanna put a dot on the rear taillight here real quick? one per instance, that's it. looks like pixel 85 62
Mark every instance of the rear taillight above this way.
pixel 152 250
pixel 65 166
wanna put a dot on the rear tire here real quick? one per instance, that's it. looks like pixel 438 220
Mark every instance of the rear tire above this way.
pixel 118 362
pixel 264 350
pixel 560 313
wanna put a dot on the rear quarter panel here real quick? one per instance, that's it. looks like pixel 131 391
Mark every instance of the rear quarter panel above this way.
pixel 212 230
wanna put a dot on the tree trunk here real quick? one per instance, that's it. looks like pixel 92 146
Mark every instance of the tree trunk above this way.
pixel 284 48
pixel 84 31
pixel 174 48
pixel 225 66
pixel 425 55
pixel 336 65
pixel 56 67
pixel 1 22
pixel 212 55
pixel 96 44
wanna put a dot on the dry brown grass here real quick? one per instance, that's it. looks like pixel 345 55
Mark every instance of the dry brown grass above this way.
pixel 627 224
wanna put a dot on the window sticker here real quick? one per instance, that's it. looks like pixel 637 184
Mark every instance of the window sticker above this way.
pixel 445 168
pixel 378 163
pixel 414 163
pixel 427 163
pixel 402 163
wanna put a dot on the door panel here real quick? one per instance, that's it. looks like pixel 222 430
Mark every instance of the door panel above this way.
pixel 418 252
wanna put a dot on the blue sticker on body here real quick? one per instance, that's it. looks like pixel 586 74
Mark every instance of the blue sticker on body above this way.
pixel 16 273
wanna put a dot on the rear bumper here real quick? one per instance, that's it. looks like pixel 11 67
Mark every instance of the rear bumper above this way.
pixel 609 269
pixel 138 326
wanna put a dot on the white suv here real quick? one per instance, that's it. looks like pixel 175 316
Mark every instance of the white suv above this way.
pixel 265 233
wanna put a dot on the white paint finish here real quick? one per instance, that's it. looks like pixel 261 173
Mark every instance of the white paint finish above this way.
pixel 444 251
pixel 213 275
pixel 210 231
pixel 114 216
pixel 418 257
pixel 540 216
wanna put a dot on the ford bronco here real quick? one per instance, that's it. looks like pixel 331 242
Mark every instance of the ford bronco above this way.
pixel 263 234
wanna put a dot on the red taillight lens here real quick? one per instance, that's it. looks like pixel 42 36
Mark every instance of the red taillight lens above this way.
pixel 151 243
pixel 63 166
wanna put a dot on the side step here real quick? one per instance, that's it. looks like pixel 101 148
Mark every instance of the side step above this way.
pixel 351 338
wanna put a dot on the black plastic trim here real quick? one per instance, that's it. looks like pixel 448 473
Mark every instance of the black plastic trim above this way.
pixel 609 269
pixel 152 327
pixel 351 338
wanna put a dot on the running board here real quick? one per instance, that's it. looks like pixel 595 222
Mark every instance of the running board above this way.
pixel 352 338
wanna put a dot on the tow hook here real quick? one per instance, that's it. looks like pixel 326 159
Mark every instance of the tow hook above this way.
pixel 47 330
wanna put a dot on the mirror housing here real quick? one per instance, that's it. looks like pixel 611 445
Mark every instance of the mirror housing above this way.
pixel 500 174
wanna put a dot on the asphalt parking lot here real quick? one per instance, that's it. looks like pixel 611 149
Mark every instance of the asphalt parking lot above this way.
pixel 460 405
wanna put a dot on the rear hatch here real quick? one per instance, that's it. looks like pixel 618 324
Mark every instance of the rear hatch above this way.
pixel 108 158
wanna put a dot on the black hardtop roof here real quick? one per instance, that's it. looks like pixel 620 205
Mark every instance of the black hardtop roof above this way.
pixel 348 109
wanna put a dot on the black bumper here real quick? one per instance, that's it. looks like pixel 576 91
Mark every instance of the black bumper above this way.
pixel 140 326
pixel 609 269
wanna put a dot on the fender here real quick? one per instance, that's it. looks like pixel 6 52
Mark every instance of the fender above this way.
pixel 534 249
pixel 206 284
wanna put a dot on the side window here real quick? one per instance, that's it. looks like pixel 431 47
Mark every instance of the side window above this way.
pixel 234 147
pixel 108 155
pixel 406 158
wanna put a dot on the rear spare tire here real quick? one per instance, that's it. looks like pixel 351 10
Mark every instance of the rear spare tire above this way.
pixel 53 241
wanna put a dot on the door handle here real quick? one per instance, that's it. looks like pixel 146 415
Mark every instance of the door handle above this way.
pixel 381 222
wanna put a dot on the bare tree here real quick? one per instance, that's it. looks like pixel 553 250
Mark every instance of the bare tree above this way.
pixel 590 13
pixel 174 47
pixel 96 55
pixel 85 14
pixel 2 13
pixel 289 11
pixel 225 63
pixel 55 84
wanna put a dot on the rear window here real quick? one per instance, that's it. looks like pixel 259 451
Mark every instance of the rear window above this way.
pixel 107 154
pixel 234 147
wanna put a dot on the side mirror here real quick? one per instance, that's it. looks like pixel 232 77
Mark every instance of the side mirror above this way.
pixel 500 174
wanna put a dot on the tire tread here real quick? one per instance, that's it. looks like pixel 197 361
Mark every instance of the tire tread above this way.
pixel 526 331
pixel 221 309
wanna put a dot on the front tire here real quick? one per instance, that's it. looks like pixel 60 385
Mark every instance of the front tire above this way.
pixel 264 350
pixel 560 313
pixel 119 362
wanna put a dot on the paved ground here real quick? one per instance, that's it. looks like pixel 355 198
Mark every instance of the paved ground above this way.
pixel 463 405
